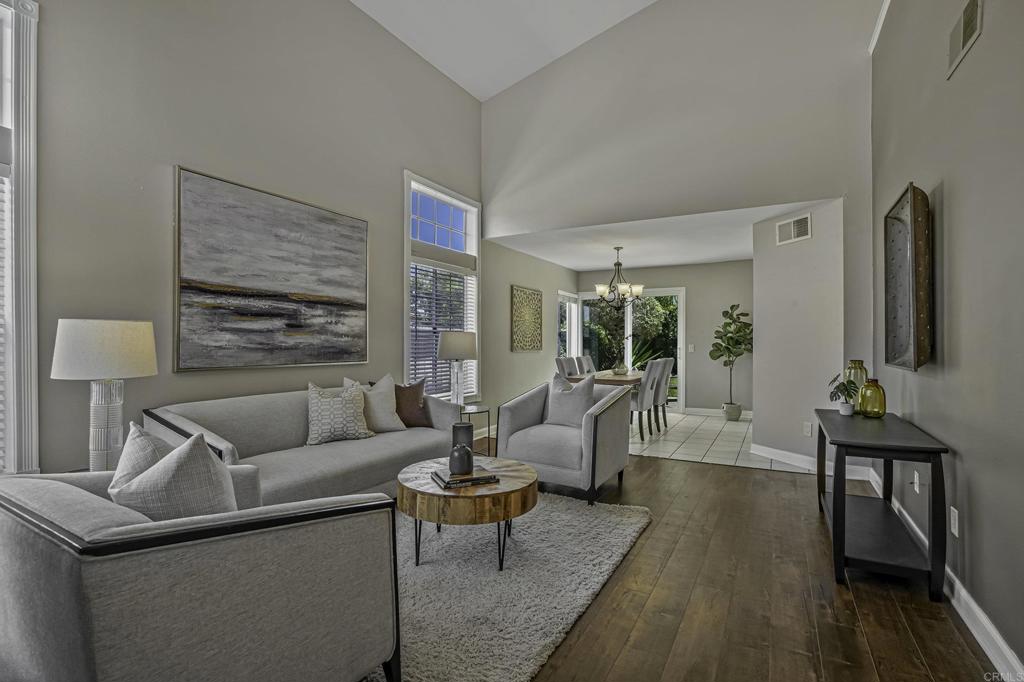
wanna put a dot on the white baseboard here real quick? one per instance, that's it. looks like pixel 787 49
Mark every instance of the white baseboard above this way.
pixel 1006 662
pixel 713 412
pixel 482 433
pixel 853 471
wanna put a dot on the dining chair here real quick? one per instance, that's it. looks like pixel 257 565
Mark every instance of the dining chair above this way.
pixel 642 400
pixel 664 369
pixel 588 364
pixel 561 366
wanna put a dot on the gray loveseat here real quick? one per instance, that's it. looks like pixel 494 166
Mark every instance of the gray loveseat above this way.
pixel 94 592
pixel 269 432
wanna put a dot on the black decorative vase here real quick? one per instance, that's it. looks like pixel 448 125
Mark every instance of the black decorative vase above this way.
pixel 460 461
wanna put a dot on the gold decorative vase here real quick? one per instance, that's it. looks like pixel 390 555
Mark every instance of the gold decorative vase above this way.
pixel 859 374
pixel 871 399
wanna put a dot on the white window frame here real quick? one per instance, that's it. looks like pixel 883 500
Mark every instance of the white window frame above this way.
pixel 573 334
pixel 473 234
pixel 21 375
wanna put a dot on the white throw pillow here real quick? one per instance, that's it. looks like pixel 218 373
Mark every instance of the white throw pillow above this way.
pixel 336 414
pixel 163 482
pixel 379 405
pixel 568 402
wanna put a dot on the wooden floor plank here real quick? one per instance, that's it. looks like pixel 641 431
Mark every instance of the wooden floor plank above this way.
pixel 733 580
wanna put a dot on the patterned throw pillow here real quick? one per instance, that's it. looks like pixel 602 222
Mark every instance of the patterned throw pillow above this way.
pixel 336 414
pixel 164 482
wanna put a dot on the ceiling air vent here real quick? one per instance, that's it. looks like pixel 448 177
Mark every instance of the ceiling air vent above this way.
pixel 793 230
pixel 964 35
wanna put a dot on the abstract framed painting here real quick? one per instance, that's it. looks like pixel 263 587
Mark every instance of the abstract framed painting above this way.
pixel 262 280
pixel 527 320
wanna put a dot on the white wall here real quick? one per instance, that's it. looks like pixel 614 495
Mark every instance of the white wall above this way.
pixel 710 288
pixel 321 104
pixel 798 327
pixel 692 106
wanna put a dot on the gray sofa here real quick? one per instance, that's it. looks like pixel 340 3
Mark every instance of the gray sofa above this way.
pixel 581 458
pixel 94 592
pixel 269 432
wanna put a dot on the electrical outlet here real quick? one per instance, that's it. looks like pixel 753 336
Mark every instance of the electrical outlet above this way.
pixel 954 522
pixel 917 482
pixel 808 429
pixel 689 348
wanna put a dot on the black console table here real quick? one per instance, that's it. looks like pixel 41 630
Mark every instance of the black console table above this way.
pixel 866 532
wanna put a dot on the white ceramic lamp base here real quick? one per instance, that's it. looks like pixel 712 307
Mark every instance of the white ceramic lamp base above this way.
pixel 106 423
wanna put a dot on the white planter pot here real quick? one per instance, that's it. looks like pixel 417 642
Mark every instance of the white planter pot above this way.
pixel 846 409
pixel 732 411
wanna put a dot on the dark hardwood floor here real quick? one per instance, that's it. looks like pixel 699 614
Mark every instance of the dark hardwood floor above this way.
pixel 733 580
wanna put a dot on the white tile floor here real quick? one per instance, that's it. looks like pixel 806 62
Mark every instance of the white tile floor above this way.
pixel 713 440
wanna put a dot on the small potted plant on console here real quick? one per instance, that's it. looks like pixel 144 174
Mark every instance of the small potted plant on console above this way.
pixel 842 392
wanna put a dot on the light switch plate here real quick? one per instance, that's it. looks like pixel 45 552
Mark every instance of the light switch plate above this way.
pixel 954 522
pixel 808 429
pixel 689 348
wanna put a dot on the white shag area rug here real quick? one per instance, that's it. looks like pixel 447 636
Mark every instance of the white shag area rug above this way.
pixel 463 620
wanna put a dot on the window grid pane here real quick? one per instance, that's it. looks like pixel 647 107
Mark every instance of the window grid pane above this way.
pixel 439 223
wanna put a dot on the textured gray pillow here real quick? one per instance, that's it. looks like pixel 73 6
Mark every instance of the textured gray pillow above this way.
pixel 336 414
pixel 568 402
pixel 164 483
pixel 379 405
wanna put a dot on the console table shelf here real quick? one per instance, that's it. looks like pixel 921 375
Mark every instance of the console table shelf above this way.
pixel 866 531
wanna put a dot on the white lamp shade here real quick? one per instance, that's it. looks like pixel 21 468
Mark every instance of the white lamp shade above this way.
pixel 457 346
pixel 103 349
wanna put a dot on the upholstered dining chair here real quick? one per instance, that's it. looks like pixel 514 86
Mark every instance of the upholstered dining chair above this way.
pixel 562 368
pixel 664 369
pixel 588 364
pixel 581 366
pixel 641 400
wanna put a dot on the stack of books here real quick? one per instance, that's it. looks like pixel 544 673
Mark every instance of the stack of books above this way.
pixel 447 480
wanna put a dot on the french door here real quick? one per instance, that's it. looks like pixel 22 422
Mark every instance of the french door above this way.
pixel 653 327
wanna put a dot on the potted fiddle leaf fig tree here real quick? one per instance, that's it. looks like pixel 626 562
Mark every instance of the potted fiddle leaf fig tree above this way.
pixel 842 391
pixel 733 339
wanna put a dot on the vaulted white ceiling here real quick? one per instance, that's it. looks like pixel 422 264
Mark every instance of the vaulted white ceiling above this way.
pixel 487 45
pixel 677 240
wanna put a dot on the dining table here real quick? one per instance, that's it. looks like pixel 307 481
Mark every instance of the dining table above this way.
pixel 610 378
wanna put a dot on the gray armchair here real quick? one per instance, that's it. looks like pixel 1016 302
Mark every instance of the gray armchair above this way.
pixel 95 592
pixel 582 458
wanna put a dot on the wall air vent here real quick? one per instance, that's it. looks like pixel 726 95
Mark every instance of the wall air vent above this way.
pixel 964 34
pixel 793 230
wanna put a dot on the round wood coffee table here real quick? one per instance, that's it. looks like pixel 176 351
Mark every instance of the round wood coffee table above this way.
pixel 513 495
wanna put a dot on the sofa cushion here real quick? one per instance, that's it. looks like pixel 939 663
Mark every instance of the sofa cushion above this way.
pixel 254 424
pixel 551 444
pixel 568 402
pixel 336 414
pixel 410 406
pixel 344 467
pixel 189 481
pixel 379 405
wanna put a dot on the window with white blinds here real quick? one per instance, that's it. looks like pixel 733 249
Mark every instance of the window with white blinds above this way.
pixel 443 271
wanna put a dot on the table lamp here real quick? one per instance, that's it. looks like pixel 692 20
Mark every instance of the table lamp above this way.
pixel 457 347
pixel 104 352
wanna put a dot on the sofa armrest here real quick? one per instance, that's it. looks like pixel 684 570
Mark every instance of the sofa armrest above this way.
pixel 176 429
pixel 520 412
pixel 245 479
pixel 285 572
pixel 606 437
pixel 443 414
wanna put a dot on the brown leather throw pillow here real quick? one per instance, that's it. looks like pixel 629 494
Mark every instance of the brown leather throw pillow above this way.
pixel 409 405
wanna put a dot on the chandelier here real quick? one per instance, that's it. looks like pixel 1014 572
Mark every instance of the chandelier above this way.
pixel 618 293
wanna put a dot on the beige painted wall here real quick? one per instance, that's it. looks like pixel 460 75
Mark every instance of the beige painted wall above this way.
pixel 693 106
pixel 507 374
pixel 798 327
pixel 961 141
pixel 710 288
pixel 321 104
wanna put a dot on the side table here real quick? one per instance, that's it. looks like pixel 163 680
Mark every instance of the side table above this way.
pixel 472 410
